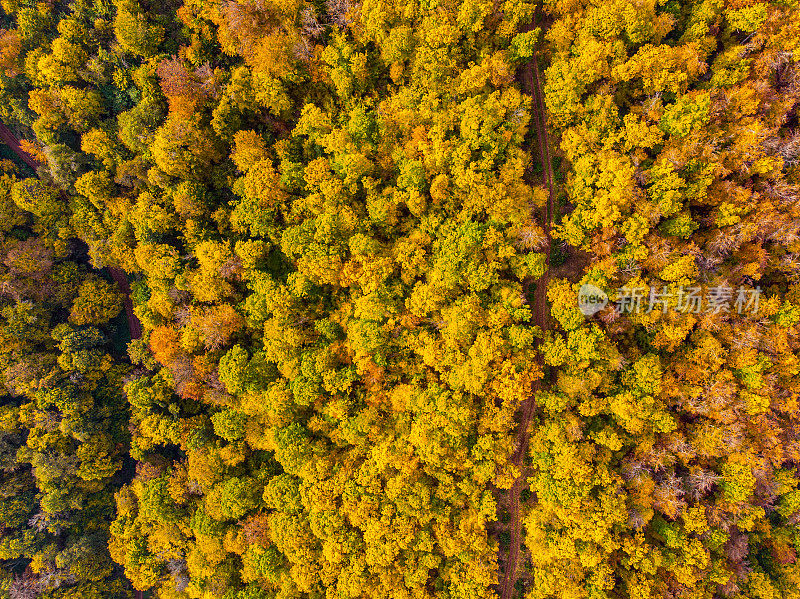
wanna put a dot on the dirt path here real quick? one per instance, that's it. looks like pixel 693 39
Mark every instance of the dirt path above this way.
pixel 120 277
pixel 7 137
pixel 531 80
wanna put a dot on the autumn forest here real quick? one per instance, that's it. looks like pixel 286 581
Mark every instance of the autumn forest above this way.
pixel 356 299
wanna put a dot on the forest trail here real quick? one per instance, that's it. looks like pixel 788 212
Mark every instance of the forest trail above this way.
pixel 120 276
pixel 531 81
pixel 7 137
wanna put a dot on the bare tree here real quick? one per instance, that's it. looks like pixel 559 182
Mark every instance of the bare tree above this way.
pixel 340 12
pixel 701 482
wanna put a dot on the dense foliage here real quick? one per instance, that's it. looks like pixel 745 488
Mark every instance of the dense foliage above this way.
pixel 63 418
pixel 335 225
pixel 664 460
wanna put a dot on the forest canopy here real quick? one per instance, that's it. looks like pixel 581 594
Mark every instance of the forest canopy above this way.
pixel 354 299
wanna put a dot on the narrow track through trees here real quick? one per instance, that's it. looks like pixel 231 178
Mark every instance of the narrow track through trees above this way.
pixel 531 81
pixel 120 276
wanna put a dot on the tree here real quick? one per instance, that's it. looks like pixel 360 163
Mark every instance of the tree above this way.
pixel 216 324
pixel 134 30
pixel 185 148
pixel 98 302
pixel 138 125
pixel 38 198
